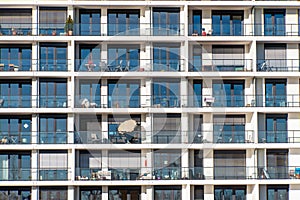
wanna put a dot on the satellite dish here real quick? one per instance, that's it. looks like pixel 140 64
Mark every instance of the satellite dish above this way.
pixel 127 126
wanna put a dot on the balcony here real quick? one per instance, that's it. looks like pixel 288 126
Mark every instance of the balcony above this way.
pixel 53 137
pixel 15 65
pixel 21 101
pixel 278 65
pixel 15 138
pixel 276 29
pixel 53 101
pixel 230 29
pixel 166 137
pixel 16 29
pixel 220 65
pixel 58 174
pixel 52 65
pixel 221 137
pixel 165 101
pixel 17 174
pixel 124 174
pixel 89 174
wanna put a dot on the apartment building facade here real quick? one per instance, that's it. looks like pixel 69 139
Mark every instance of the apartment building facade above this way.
pixel 208 93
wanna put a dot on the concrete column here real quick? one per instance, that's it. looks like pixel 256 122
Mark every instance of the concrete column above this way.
pixel 104 127
pixel 184 21
pixel 294 191
pixel 35 56
pixel 34 192
pixel 104 160
pixel 71 190
pixel 291 21
pixel 208 163
pixel 34 165
pixel 149 192
pixel 184 163
pixel 186 191
pixel 71 164
pixel 184 128
pixel 183 92
pixel 70 128
pixel 71 56
pixel 103 21
pixel 34 129
pixel 34 13
pixel 292 52
pixel 250 163
pixel 209 192
pixel 145 21
pixel 104 92
pixel 206 20
pixel 104 192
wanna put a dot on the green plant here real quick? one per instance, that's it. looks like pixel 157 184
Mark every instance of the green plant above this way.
pixel 69 24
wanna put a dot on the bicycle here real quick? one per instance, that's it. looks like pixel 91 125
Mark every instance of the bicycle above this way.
pixel 264 66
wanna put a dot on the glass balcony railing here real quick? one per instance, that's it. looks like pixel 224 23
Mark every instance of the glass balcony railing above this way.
pixel 15 137
pixel 53 174
pixel 170 101
pixel 59 137
pixel 21 64
pixel 221 29
pixel 53 101
pixel 276 29
pixel 166 137
pixel 88 174
pixel 278 65
pixel 21 101
pixel 53 65
pixel 221 137
pixel 15 174
pixel 16 29
pixel 216 65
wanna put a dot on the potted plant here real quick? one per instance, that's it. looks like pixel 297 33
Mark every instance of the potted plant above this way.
pixel 69 25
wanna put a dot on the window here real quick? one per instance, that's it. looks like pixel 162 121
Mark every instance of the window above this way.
pixel 228 93
pixel 276 93
pixel 89 57
pixel 229 128
pixel 53 165
pixel 230 192
pixel 277 163
pixel 16 21
pixel 124 192
pixel 53 93
pixel 166 128
pixel 87 193
pixel 57 193
pixel 51 19
pixel 197 93
pixel 123 22
pixel 196 160
pixel 124 165
pixel 123 93
pixel 89 93
pixel 117 137
pixel 198 192
pixel 278 192
pixel 227 22
pixel 229 164
pixel 15 166
pixel 15 93
pixel 123 58
pixel 166 93
pixel 89 21
pixel 196 64
pixel 89 129
pixel 167 164
pixel 23 193
pixel 15 129
pixel 15 57
pixel 274 22
pixel 88 162
pixel 167 192
pixel 166 21
pixel 276 126
pixel 196 134
pixel 53 129
pixel 166 57
pixel 197 23
pixel 275 56
pixel 228 58
pixel 53 57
